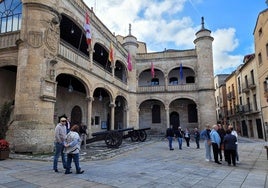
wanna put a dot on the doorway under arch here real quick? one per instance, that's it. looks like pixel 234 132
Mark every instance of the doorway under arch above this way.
pixel 174 120
pixel 76 115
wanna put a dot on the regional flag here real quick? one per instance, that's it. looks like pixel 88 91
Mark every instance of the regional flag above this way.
pixel 129 63
pixel 152 70
pixel 88 30
pixel 181 72
pixel 111 53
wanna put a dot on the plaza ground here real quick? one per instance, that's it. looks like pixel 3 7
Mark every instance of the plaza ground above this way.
pixel 141 165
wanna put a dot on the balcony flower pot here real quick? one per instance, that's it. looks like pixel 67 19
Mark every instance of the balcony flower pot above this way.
pixel 4 149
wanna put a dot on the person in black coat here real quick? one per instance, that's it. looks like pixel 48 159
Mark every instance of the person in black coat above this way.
pixel 169 136
pixel 222 133
pixel 230 147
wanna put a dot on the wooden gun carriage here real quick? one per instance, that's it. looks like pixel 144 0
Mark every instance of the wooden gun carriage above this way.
pixel 114 138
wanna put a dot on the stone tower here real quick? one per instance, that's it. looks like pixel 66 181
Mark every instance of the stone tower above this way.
pixel 205 75
pixel 33 127
pixel 130 43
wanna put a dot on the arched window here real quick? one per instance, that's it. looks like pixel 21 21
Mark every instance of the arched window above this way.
pixel 192 113
pixel 10 15
pixel 173 81
pixel 155 82
pixel 156 114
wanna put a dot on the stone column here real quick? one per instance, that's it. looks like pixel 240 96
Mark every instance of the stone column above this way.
pixel 112 106
pixel 166 82
pixel 167 116
pixel 89 114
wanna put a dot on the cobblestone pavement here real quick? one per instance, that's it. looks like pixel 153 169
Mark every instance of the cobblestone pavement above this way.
pixel 141 165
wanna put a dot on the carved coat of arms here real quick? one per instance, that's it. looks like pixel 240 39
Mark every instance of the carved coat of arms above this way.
pixel 35 39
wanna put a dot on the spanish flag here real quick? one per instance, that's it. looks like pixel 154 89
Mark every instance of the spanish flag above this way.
pixel 111 53
pixel 88 30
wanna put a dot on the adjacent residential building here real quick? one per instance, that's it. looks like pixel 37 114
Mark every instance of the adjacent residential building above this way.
pixel 232 101
pixel 261 52
pixel 221 98
pixel 48 69
pixel 248 106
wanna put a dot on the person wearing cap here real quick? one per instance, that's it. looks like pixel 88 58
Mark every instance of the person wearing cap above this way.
pixel 60 135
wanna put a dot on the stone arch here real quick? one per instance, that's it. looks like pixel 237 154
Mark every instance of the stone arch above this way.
pixel 187 110
pixel 78 75
pixel 152 113
pixel 161 69
pixel 106 87
pixel 8 61
pixel 150 98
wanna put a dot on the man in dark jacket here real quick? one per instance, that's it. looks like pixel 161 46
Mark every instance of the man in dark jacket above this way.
pixel 170 135
pixel 222 133
pixel 230 147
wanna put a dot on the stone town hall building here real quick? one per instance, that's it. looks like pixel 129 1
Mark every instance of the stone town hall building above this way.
pixel 47 69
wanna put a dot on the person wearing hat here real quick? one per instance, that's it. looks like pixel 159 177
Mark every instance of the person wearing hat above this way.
pixel 60 135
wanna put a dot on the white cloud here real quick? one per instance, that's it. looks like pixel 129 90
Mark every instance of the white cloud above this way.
pixel 160 24
pixel 224 43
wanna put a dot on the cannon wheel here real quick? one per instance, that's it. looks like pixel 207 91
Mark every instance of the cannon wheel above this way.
pixel 113 139
pixel 142 135
pixel 134 136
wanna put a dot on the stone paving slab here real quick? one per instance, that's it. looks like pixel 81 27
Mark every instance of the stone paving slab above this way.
pixel 142 165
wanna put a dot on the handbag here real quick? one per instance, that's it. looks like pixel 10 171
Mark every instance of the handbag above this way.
pixel 209 142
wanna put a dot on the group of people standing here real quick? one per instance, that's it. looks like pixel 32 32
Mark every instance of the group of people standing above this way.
pixel 221 140
pixel 179 134
pixel 217 138
pixel 68 141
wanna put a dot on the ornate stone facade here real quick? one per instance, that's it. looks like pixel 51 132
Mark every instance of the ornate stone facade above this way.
pixel 49 71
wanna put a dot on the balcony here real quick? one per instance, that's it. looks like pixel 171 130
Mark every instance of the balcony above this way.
pixel 252 86
pixel 8 40
pixel 246 89
pixel 162 88
pixel 239 109
pixel 230 96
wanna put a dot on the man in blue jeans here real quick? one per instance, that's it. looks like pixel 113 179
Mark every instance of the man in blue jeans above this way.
pixel 170 135
pixel 179 134
pixel 60 135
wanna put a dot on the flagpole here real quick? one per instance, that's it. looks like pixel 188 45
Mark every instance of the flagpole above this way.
pixel 80 40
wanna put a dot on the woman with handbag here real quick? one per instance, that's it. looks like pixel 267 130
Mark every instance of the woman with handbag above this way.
pixel 72 148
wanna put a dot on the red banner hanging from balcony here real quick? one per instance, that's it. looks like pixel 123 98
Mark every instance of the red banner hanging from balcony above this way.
pixel 152 70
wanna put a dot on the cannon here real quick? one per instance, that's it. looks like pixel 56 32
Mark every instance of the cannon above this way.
pixel 114 138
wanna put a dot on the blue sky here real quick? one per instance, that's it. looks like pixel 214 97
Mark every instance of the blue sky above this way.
pixel 172 24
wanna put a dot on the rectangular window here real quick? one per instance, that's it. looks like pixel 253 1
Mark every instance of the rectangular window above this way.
pixel 267 50
pixel 260 58
pixel 248 104
pixel 239 85
pixel 260 32
pixel 97 120
pixel 252 77
pixel 156 114
pixel 246 81
pixel 192 113
pixel 255 102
